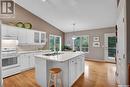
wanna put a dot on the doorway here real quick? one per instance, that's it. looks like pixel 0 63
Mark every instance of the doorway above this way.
pixel 110 47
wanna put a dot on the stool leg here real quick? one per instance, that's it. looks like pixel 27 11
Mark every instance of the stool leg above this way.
pixel 55 81
pixel 60 80
pixel 49 81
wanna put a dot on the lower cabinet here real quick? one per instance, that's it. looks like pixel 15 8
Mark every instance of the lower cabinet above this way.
pixel 27 61
pixel 76 68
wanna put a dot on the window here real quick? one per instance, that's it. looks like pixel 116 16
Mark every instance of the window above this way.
pixel 55 43
pixel 111 46
pixel 81 43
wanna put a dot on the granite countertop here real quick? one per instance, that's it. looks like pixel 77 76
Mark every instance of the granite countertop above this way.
pixel 63 56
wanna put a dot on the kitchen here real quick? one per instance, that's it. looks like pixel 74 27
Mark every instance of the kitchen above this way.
pixel 48 45
pixel 14 61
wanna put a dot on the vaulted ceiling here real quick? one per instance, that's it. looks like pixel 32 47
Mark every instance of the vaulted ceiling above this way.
pixel 87 14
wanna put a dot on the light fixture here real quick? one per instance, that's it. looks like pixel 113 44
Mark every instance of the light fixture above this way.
pixel 43 0
pixel 74 37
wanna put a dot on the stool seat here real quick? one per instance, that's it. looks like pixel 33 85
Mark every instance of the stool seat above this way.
pixel 55 70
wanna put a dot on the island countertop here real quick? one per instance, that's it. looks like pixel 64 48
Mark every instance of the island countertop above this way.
pixel 63 56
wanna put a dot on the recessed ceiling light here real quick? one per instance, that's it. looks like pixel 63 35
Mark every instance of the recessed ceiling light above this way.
pixel 43 0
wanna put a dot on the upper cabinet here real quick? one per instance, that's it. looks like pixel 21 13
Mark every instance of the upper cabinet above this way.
pixel 39 37
pixel 25 36
pixel 9 31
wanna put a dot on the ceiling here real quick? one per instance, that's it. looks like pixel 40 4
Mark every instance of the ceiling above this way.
pixel 86 14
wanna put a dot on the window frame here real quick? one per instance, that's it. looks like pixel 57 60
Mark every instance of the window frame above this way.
pixel 55 41
pixel 81 42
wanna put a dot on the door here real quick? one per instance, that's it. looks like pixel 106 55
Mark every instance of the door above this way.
pixel 110 46
pixel 55 43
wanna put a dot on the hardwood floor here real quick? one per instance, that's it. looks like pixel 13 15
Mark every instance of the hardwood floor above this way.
pixel 96 74
pixel 24 79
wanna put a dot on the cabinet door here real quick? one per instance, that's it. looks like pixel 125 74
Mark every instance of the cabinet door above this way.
pixel 24 61
pixel 72 71
pixel 22 36
pixel 32 60
pixel 36 37
pixel 9 31
pixel 43 38
pixel 4 30
pixel 30 37
pixel 83 63
pixel 79 67
pixel 12 31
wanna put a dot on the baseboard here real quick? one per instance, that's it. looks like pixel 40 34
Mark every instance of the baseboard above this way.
pixel 96 60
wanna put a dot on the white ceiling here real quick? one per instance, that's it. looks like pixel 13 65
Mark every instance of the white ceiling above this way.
pixel 87 14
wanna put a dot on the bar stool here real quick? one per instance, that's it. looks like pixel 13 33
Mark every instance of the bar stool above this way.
pixel 54 75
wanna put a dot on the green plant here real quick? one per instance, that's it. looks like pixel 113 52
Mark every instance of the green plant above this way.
pixel 64 48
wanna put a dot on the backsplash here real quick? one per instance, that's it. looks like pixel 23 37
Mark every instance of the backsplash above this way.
pixel 30 47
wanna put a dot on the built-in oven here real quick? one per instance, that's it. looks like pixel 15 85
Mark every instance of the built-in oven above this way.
pixel 10 62
pixel 9 58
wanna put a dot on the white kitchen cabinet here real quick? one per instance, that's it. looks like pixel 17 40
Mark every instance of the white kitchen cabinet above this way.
pixel 24 62
pixel 30 37
pixel 39 37
pixel 76 68
pixel 9 31
pixel 25 36
pixel 31 60
pixel 79 67
pixel 27 61
pixel 72 71
pixel 22 36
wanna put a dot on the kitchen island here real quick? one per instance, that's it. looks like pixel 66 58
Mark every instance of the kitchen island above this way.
pixel 71 63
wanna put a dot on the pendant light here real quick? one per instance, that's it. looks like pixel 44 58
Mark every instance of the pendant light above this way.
pixel 73 37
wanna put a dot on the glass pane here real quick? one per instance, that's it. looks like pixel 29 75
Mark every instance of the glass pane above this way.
pixel 84 41
pixel 36 37
pixel 42 37
pixel 57 41
pixel 111 52
pixel 51 43
pixel 111 46
pixel 77 44
pixel 111 42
